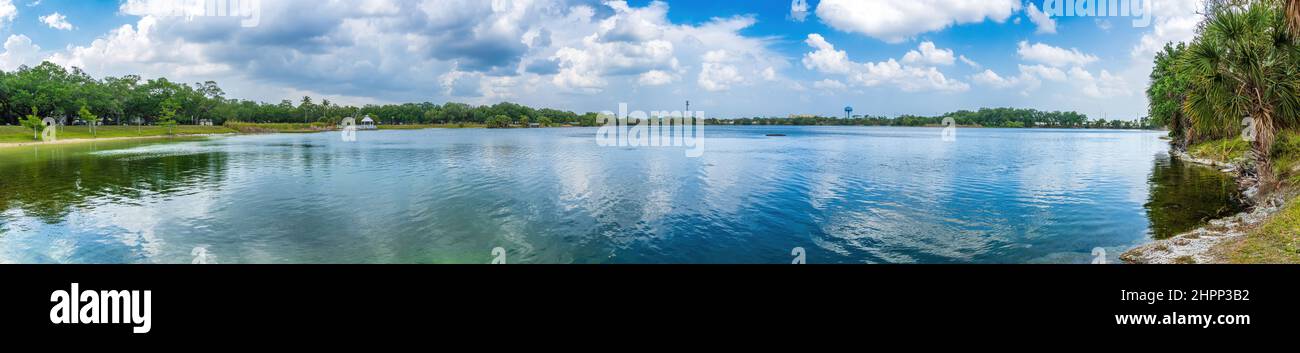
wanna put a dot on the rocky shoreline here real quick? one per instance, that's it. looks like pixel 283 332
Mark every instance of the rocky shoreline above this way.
pixel 1196 246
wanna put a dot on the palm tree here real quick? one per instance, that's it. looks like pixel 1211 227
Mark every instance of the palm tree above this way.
pixel 1292 10
pixel 1243 65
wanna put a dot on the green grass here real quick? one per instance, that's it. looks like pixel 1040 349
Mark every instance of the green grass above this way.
pixel 18 134
pixel 433 126
pixel 1274 242
pixel 260 128
pixel 1286 157
pixel 1226 150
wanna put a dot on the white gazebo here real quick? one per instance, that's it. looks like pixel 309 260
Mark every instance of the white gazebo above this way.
pixel 367 124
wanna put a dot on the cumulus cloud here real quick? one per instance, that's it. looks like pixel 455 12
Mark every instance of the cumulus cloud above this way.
pixel 406 50
pixel 990 78
pixel 1044 21
pixel 1175 21
pixel 1031 78
pixel 19 51
pixel 826 59
pixel 655 78
pixel 897 20
pixel 7 13
pixel 717 74
pixel 1054 56
pixel 57 21
pixel 1103 85
pixel 929 54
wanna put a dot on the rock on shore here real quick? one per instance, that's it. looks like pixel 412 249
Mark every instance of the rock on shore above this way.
pixel 1195 246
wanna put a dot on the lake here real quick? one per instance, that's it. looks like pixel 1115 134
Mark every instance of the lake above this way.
pixel 843 194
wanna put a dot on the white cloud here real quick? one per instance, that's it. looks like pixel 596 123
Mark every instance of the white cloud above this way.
pixel 969 62
pixel 1104 85
pixel 929 54
pixel 1044 21
pixel 1174 21
pixel 716 74
pixel 57 21
pixel 826 59
pixel 7 13
pixel 19 51
pixel 829 85
pixel 1043 72
pixel 1031 78
pixel 799 10
pixel 655 78
pixel 990 78
pixel 1054 56
pixel 381 51
pixel 637 41
pixel 769 74
pixel 897 20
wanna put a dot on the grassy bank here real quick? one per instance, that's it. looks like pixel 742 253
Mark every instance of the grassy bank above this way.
pixel 267 128
pixel 18 134
pixel 1225 151
pixel 262 128
pixel 1277 241
pixel 433 126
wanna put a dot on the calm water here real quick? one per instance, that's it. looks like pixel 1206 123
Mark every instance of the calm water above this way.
pixel 845 194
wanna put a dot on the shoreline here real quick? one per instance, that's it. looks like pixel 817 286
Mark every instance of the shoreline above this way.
pixel 122 138
pixel 1198 245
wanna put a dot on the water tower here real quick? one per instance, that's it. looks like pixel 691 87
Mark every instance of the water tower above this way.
pixel 848 112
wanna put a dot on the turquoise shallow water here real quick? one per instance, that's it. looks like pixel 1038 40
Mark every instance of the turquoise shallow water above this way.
pixel 844 194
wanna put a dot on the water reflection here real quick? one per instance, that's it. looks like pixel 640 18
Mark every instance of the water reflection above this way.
pixel 1184 196
pixel 846 195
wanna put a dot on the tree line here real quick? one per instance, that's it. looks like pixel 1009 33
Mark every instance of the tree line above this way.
pixel 72 95
pixel 986 117
pixel 49 90
pixel 1238 78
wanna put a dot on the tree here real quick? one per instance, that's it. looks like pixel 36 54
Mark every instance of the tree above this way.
pixel 545 121
pixel 33 122
pixel 90 119
pixel 499 121
pixel 525 121
pixel 306 108
pixel 167 115
pixel 1292 11
pixel 1167 92
pixel 1244 65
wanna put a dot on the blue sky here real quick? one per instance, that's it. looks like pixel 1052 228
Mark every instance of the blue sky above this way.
pixel 731 58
